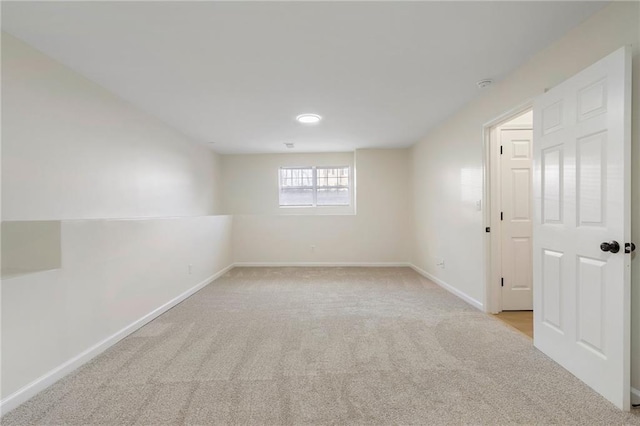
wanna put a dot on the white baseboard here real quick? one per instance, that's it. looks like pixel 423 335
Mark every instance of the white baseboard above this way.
pixel 320 264
pixel 635 396
pixel 470 300
pixel 26 392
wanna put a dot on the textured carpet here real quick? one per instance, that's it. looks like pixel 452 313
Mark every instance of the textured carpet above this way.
pixel 322 346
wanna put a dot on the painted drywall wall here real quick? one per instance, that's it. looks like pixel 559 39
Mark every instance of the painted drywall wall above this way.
pixel 71 150
pixel 447 164
pixel 251 182
pixel 133 202
pixel 378 232
pixel 114 272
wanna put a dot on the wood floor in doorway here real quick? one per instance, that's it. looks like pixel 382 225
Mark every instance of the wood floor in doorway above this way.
pixel 520 320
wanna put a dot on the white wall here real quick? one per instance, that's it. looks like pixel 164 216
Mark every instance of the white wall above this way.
pixel 114 272
pixel 71 149
pixel 263 233
pixel 133 200
pixel 251 182
pixel 447 164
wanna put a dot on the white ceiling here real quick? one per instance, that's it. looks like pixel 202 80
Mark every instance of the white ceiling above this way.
pixel 382 74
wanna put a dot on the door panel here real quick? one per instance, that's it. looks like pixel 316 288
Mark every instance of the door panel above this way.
pixel 581 199
pixel 521 195
pixel 592 100
pixel 552 187
pixel 521 247
pixel 550 310
pixel 590 309
pixel 591 168
pixel 552 117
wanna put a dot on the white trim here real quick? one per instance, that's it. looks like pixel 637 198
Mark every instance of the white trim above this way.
pixel 26 392
pixel 635 396
pixel 516 126
pixel 470 300
pixel 510 114
pixel 326 264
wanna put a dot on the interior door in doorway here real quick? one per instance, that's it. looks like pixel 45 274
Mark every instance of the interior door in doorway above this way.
pixel 516 214
pixel 582 177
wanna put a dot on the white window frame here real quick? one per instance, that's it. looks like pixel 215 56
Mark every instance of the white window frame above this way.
pixel 314 180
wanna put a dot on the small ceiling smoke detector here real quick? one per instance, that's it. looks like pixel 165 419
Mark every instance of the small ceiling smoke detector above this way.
pixel 289 145
pixel 308 118
pixel 484 83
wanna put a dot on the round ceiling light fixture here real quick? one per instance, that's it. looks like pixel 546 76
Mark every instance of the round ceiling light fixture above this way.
pixel 308 118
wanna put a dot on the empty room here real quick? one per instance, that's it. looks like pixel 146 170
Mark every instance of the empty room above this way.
pixel 283 213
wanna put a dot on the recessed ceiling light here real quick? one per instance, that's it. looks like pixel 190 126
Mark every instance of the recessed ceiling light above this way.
pixel 308 118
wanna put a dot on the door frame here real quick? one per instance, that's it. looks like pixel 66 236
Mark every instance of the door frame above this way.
pixel 490 194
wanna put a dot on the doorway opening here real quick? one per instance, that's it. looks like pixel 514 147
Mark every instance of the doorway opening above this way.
pixel 509 169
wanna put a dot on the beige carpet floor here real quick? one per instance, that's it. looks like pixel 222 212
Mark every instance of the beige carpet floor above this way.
pixel 280 346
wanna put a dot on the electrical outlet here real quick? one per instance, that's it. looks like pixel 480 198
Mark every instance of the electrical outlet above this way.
pixel 190 268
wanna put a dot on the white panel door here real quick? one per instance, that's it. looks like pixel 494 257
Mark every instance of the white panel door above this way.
pixel 516 225
pixel 581 200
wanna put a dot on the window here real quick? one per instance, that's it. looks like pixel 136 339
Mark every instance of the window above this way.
pixel 315 186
